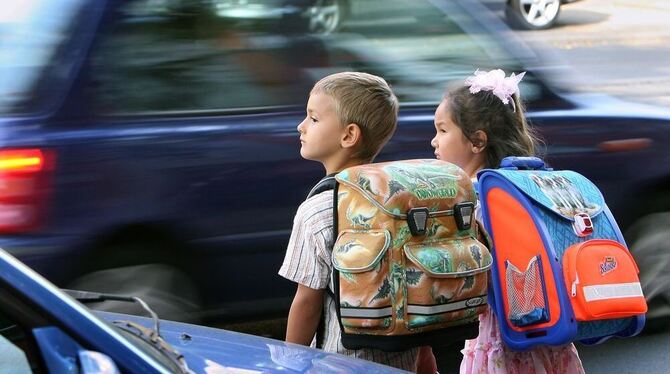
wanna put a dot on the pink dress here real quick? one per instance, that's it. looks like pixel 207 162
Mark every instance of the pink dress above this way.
pixel 488 354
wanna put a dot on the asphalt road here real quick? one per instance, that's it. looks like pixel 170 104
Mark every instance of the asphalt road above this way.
pixel 618 47
pixel 647 353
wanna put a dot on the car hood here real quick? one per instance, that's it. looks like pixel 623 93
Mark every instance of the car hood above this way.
pixel 209 350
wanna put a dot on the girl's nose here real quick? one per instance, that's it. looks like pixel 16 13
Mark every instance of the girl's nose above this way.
pixel 300 126
pixel 433 142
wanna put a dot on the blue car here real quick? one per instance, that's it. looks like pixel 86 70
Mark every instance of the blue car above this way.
pixel 149 148
pixel 44 330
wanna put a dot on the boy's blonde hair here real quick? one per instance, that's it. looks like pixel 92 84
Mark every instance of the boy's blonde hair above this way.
pixel 366 100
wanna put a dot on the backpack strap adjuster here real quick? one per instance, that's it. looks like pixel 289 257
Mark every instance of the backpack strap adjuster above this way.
pixel 417 220
pixel 463 214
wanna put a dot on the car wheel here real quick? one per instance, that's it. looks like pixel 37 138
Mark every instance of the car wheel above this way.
pixel 166 289
pixel 532 14
pixel 649 242
pixel 325 16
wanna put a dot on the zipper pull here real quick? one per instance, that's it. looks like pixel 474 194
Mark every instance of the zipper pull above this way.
pixel 574 285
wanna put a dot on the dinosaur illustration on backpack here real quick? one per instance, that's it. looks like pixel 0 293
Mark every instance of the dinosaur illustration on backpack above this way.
pixel 409 265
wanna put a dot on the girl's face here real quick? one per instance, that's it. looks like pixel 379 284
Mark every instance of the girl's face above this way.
pixel 449 142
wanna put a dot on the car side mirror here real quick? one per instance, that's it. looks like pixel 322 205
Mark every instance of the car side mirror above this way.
pixel 92 362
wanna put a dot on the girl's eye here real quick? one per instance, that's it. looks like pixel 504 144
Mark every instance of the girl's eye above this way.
pixel 314 120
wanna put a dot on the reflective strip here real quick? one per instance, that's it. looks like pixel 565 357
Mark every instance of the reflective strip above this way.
pixel 444 308
pixel 365 313
pixel 612 291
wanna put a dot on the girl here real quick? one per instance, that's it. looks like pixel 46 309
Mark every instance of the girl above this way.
pixel 477 125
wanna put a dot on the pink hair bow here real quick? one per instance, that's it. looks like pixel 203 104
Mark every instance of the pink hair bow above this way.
pixel 496 82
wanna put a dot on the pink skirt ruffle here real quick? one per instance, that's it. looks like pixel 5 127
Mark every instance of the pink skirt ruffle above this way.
pixel 488 354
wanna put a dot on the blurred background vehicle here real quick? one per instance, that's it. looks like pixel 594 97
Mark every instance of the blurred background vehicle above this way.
pixel 149 147
pixel 533 14
pixel 326 16
pixel 43 330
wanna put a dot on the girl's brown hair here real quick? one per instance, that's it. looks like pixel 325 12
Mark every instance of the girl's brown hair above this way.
pixel 508 133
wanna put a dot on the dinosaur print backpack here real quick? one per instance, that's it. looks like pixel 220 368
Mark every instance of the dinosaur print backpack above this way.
pixel 561 269
pixel 409 266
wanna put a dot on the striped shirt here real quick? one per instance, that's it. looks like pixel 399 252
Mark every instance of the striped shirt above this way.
pixel 308 262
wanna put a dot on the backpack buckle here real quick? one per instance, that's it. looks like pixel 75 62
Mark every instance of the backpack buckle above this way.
pixel 463 214
pixel 417 220
pixel 583 225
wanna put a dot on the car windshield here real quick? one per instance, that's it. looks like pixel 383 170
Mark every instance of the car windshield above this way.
pixel 192 55
pixel 195 56
pixel 30 34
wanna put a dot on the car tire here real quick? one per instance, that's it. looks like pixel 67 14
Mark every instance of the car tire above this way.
pixel 529 15
pixel 167 290
pixel 325 17
pixel 649 243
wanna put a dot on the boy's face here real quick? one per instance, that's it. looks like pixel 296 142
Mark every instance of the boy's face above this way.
pixel 320 131
pixel 449 142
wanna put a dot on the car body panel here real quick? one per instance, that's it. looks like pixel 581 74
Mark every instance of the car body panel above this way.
pixel 206 347
pixel 71 326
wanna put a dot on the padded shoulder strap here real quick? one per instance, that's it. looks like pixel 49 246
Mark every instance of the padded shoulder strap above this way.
pixel 327 183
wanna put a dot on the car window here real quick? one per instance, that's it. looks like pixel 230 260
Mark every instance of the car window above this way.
pixel 18 350
pixel 13 348
pixel 30 33
pixel 217 55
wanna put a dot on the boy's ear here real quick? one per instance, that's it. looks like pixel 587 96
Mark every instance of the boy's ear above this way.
pixel 351 135
pixel 479 140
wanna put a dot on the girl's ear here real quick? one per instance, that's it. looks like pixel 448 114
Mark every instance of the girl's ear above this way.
pixel 479 141
pixel 351 136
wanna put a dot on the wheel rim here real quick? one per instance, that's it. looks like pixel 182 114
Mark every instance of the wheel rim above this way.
pixel 649 240
pixel 539 12
pixel 324 16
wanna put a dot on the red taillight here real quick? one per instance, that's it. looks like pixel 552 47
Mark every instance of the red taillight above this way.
pixel 24 188
pixel 21 160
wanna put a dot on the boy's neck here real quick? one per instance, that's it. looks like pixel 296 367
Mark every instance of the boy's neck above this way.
pixel 336 166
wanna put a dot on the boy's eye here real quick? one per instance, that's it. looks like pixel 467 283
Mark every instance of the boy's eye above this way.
pixel 314 120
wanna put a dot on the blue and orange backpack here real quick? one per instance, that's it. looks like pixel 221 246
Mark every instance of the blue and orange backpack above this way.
pixel 561 269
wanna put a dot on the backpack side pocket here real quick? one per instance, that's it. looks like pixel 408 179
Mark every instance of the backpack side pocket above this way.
pixel 527 293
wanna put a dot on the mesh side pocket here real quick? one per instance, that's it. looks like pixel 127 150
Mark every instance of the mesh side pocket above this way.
pixel 526 294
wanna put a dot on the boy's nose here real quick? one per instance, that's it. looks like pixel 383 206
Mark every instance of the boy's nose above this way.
pixel 301 127
pixel 433 142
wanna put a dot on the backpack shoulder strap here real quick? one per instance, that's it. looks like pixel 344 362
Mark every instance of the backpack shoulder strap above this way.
pixel 327 183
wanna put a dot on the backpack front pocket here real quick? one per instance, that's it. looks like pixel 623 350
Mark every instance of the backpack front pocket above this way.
pixel 602 279
pixel 446 282
pixel 361 260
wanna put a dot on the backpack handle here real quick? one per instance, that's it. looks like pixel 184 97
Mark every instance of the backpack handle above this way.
pixel 523 163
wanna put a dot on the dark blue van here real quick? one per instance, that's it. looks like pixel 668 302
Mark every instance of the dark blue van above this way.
pixel 149 147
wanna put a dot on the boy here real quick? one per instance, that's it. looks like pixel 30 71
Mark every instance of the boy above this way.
pixel 350 117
